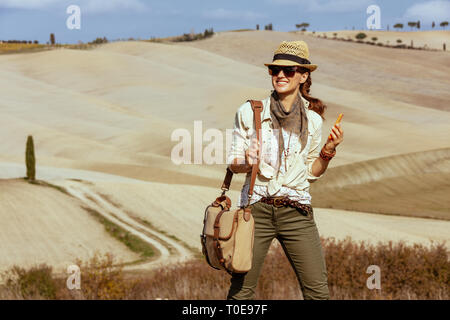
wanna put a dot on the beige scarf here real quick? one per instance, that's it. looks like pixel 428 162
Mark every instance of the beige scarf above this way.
pixel 294 121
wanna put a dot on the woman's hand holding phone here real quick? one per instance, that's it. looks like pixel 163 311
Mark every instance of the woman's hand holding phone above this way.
pixel 336 136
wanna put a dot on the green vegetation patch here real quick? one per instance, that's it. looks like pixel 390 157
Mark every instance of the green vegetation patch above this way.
pixel 133 242
pixel 47 184
pixel 193 250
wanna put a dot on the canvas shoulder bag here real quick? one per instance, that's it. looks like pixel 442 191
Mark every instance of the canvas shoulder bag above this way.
pixel 227 237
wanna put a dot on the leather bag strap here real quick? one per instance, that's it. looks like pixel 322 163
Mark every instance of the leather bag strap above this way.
pixel 227 181
pixel 257 107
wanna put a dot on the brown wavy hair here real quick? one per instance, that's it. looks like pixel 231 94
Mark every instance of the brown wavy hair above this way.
pixel 314 103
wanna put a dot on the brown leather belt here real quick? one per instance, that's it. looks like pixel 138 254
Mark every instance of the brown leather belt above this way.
pixel 286 202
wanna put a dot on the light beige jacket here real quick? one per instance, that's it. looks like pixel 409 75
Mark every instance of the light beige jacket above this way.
pixel 299 174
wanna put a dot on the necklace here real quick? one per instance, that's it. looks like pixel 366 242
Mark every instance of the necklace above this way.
pixel 286 152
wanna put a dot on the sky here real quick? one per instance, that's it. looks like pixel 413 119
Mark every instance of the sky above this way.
pixel 144 19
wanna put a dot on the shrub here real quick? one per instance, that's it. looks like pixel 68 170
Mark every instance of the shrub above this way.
pixel 34 283
pixel 407 272
pixel 102 280
pixel 208 33
pixel 412 24
pixel 361 36
pixel 398 26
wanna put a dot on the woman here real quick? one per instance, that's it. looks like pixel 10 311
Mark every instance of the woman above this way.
pixel 291 158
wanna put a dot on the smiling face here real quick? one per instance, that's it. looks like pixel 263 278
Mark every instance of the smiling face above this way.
pixel 287 79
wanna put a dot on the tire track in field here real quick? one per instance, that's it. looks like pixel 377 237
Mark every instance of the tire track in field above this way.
pixel 170 251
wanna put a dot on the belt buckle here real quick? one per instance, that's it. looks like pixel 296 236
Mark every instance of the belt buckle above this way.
pixel 278 202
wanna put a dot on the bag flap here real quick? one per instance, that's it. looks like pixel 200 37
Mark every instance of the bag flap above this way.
pixel 226 222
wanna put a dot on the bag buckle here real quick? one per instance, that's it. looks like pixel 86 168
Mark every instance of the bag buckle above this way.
pixel 223 191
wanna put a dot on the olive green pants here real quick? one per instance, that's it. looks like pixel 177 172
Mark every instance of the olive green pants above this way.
pixel 299 238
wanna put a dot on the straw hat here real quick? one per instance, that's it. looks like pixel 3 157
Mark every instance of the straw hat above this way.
pixel 292 53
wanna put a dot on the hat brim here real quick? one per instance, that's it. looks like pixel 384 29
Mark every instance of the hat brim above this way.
pixel 311 67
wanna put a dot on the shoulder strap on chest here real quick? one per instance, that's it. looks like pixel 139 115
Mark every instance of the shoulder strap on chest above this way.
pixel 257 107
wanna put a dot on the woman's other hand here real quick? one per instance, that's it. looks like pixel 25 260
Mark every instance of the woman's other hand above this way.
pixel 252 153
pixel 251 157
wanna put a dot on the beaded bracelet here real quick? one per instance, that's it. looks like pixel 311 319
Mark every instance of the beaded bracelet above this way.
pixel 325 155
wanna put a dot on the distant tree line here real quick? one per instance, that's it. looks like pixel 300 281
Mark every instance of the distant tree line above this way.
pixel 268 27
pixel 303 26
pixel 361 38
pixel 99 41
pixel 195 36
pixel 416 24
pixel 20 41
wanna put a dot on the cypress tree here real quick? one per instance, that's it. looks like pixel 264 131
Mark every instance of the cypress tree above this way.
pixel 30 160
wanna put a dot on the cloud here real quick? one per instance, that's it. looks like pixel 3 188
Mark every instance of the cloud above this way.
pixel 224 14
pixel 26 4
pixel 99 6
pixel 436 10
pixel 338 6
pixel 87 6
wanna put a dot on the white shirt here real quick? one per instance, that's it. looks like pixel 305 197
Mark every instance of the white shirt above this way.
pixel 294 182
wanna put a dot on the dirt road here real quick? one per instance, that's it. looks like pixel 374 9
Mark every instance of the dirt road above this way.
pixel 169 250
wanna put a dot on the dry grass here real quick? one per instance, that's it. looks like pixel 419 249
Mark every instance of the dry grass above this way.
pixel 101 280
pixel 21 47
pixel 407 272
pixel 34 283
pixel 6 48
pixel 81 46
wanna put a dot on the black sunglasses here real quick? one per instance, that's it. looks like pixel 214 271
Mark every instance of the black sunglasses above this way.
pixel 288 71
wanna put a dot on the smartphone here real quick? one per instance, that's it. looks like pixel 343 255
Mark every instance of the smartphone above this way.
pixel 337 121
